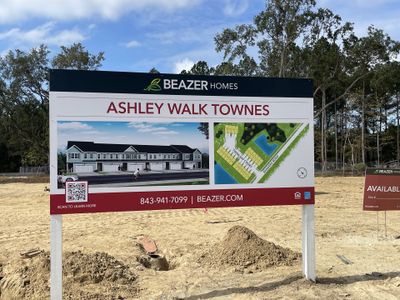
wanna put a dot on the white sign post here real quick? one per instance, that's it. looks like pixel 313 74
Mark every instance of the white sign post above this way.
pixel 56 257
pixel 308 242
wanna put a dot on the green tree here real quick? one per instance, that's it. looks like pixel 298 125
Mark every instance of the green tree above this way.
pixel 199 68
pixel 203 128
pixel 154 71
pixel 76 57
pixel 273 33
pixel 24 100
pixel 24 104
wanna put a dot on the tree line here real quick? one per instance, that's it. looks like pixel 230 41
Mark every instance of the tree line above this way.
pixel 356 78
pixel 24 101
pixel 356 83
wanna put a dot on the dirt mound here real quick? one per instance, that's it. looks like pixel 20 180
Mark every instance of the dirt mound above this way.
pixel 29 278
pixel 95 268
pixel 26 278
pixel 242 248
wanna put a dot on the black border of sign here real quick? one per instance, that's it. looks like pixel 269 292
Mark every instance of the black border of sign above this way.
pixel 135 83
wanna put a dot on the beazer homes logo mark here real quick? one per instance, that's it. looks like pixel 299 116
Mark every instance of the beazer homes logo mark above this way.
pixel 188 84
pixel 154 85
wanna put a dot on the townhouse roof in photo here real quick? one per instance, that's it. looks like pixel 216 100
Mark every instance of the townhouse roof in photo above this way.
pixel 103 147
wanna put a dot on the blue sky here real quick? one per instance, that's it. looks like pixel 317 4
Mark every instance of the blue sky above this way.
pixel 170 35
pixel 175 133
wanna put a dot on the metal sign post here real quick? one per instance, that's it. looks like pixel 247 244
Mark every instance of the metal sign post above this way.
pixel 56 257
pixel 308 242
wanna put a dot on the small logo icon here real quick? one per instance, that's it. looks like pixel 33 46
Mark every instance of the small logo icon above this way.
pixel 307 195
pixel 302 172
pixel 297 195
pixel 154 85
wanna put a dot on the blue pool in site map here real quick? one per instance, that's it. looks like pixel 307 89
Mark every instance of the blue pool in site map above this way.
pixel 223 177
pixel 264 145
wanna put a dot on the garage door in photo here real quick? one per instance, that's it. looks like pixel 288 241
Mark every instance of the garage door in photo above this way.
pixel 110 167
pixel 156 166
pixel 83 168
pixel 175 166
pixel 133 167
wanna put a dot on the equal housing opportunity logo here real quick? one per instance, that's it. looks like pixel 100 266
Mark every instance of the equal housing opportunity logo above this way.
pixel 159 84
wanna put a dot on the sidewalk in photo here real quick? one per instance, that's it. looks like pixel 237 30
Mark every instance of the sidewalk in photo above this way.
pixel 142 172
pixel 150 183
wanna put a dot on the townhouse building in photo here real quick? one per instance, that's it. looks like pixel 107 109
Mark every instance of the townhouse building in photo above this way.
pixel 87 157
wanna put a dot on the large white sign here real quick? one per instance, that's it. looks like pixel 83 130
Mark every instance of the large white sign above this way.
pixel 163 150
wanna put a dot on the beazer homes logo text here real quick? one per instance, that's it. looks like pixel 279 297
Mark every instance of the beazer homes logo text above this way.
pixel 158 84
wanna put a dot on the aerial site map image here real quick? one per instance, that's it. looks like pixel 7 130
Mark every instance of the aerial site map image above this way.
pixel 252 152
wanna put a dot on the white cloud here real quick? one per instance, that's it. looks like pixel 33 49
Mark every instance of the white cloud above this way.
pixel 163 133
pixel 152 128
pixel 42 34
pixel 74 126
pixel 234 8
pixel 138 125
pixel 132 44
pixel 181 35
pixel 184 64
pixel 12 10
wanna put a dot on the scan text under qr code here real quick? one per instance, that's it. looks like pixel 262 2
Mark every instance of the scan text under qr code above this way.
pixel 76 191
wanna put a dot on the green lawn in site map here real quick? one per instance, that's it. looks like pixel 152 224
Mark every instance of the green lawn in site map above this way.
pixel 252 131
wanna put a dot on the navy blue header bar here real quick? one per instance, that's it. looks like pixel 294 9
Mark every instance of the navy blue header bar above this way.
pixel 148 83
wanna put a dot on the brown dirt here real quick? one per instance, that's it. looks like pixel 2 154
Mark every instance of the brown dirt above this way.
pixel 242 248
pixel 24 179
pixel 342 228
pixel 29 278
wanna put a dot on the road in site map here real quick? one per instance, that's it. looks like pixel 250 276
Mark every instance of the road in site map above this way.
pixel 138 141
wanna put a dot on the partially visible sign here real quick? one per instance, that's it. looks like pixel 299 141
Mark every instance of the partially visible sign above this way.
pixel 382 189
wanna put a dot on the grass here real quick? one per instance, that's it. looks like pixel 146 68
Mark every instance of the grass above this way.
pixel 284 155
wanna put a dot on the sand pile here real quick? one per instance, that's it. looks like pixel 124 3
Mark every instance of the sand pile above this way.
pixel 242 248
pixel 29 278
pixel 26 278
pixel 95 268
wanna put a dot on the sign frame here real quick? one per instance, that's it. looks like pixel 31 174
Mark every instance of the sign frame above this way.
pixel 66 84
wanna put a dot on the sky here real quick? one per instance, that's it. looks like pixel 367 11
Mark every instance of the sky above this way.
pixel 173 133
pixel 170 35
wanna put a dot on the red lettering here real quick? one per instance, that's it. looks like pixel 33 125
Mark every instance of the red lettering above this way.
pixel 150 108
pixel 258 110
pixel 203 109
pixel 133 107
pixel 186 110
pixel 159 106
pixel 266 109
pixel 112 108
pixel 249 110
pixel 174 108
pixel 122 107
pixel 237 109
pixel 226 108
pixel 215 108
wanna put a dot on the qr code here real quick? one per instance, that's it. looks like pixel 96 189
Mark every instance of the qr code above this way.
pixel 76 191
